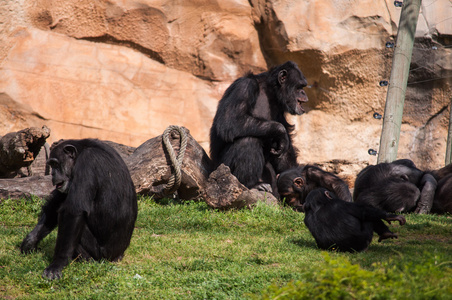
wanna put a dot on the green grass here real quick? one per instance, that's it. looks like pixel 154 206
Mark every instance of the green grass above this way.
pixel 189 251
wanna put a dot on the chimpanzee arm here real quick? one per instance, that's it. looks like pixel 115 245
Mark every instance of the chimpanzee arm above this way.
pixel 69 233
pixel 73 213
pixel 329 181
pixel 285 160
pixel 47 222
pixel 235 119
pixel 366 212
pixel 424 205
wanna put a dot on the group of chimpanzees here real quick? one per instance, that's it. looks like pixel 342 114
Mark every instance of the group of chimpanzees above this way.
pixel 94 203
pixel 251 135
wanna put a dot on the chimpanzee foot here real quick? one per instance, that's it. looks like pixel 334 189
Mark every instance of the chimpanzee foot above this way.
pixel 265 187
pixel 387 235
pixel 52 273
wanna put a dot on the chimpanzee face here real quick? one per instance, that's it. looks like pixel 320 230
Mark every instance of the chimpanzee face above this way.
pixel 292 82
pixel 62 160
pixel 291 187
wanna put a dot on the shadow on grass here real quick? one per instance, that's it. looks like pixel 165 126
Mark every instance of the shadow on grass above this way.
pixel 308 243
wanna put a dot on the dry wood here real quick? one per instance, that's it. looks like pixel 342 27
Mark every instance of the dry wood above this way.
pixel 19 149
pixel 151 168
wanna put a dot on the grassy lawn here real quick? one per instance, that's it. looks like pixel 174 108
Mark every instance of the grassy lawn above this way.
pixel 189 251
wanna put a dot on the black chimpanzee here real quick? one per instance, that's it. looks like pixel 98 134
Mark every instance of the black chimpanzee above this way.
pixel 94 205
pixel 443 194
pixel 250 133
pixel 396 187
pixel 345 226
pixel 296 183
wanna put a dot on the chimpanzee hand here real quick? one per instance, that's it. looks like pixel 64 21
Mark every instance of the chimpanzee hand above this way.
pixel 280 144
pixel 52 272
pixel 399 218
pixel 29 244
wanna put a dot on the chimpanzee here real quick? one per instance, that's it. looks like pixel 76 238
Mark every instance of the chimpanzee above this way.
pixel 443 194
pixel 250 133
pixel 395 187
pixel 295 184
pixel 345 226
pixel 94 205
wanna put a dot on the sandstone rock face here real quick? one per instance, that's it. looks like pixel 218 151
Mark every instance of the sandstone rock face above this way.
pixel 124 70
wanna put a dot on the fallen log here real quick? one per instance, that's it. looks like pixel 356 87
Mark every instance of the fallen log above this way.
pixel 25 187
pixel 152 169
pixel 19 150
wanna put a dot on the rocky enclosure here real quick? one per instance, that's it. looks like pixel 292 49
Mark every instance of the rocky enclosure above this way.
pixel 124 70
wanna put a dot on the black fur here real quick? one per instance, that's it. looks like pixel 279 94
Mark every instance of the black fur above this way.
pixel 443 196
pixel 296 183
pixel 344 226
pixel 395 187
pixel 94 205
pixel 250 133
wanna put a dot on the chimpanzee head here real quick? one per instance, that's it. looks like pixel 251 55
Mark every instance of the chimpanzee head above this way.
pixel 292 186
pixel 410 174
pixel 62 160
pixel 318 198
pixel 290 84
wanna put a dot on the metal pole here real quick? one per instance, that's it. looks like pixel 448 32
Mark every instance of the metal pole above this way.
pixel 449 137
pixel 392 121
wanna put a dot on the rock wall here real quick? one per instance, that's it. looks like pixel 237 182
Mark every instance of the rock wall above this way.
pixel 124 70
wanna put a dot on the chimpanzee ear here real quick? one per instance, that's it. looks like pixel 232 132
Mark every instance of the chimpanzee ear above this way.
pixel 405 177
pixel 282 76
pixel 327 194
pixel 70 150
pixel 298 182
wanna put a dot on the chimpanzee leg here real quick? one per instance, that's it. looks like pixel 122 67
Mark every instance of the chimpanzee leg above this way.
pixel 383 231
pixel 375 215
pixel 269 176
pixel 88 247
pixel 70 229
pixel 246 160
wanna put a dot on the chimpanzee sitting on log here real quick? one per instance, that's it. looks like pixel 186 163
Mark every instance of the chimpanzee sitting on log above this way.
pixel 94 205
pixel 396 187
pixel 250 133
pixel 345 226
pixel 295 184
